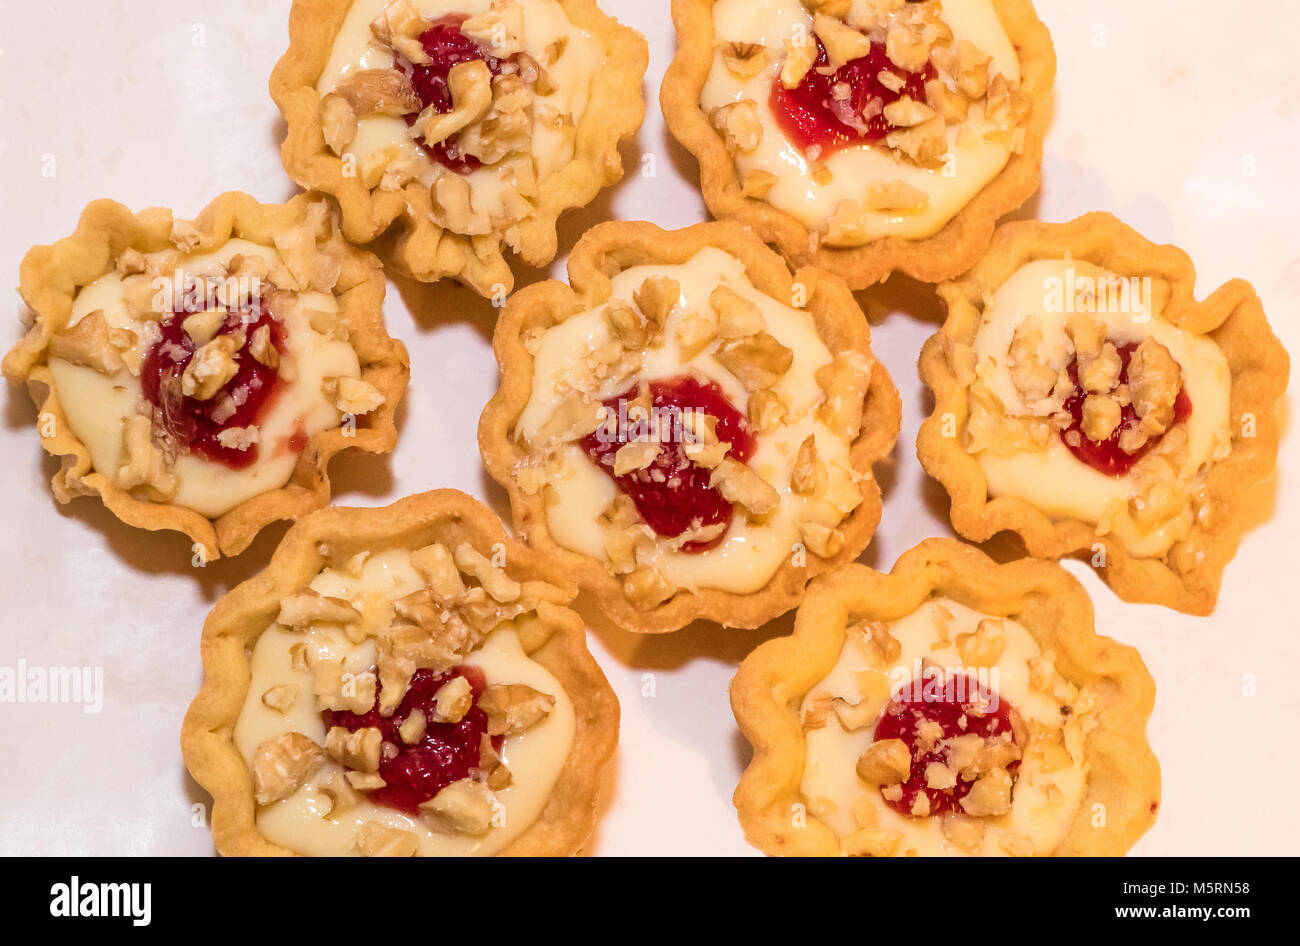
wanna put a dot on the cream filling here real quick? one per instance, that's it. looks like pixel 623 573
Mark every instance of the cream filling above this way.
pixel 579 491
pixel 1051 478
pixel 830 782
pixel 545 21
pixel 97 406
pixel 972 160
pixel 302 821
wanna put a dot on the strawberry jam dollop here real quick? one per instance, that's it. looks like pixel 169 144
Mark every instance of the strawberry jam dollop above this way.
pixel 673 494
pixel 1106 456
pixel 197 425
pixel 817 121
pixel 961 705
pixel 446 46
pixel 446 753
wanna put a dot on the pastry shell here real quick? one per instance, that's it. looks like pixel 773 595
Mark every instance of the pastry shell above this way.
pixel 943 255
pixel 422 248
pixel 446 516
pixel 602 252
pixel 1053 607
pixel 50 279
pixel 1232 317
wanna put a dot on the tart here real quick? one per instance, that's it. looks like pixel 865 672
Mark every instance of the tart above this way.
pixel 199 375
pixel 1086 401
pixel 952 707
pixel 400 681
pixel 472 124
pixel 865 136
pixel 688 428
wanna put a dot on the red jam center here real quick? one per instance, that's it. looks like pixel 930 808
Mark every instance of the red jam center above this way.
pixel 446 753
pixel 673 494
pixel 447 46
pixel 812 116
pixel 959 705
pixel 195 424
pixel 1106 456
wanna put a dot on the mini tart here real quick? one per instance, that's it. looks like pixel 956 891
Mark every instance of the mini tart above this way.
pixel 953 706
pixel 199 375
pixel 798 138
pixel 475 123
pixel 1085 401
pixel 398 681
pixel 688 429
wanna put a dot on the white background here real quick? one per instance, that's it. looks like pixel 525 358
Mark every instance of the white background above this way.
pixel 1179 117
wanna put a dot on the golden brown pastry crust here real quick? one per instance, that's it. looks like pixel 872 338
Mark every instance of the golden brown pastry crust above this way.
pixel 767 690
pixel 1232 317
pixel 602 252
pixel 50 279
pixel 942 256
pixel 446 516
pixel 423 249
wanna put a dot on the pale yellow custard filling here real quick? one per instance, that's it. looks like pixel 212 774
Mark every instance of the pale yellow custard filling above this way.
pixel 577 491
pixel 305 821
pixel 97 406
pixel 554 113
pixel 814 188
pixel 1044 803
pixel 1049 476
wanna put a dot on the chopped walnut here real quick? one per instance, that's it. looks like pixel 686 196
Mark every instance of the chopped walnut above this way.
pixel 989 796
pixel 308 607
pixel 842 42
pixel 740 123
pixel 984 646
pixel 627 324
pixel 470 84
pixel 281 697
pixel 635 456
pixel 338 690
pixel 352 395
pixel 211 368
pixel 399 26
pixel 88 344
pixel 1033 377
pixel 907 112
pixel 757 183
pixel 378 92
pixel 338 122
pixel 737 316
pixel 453 700
pixel 808 478
pixel 463 807
pixel 357 749
pixel 436 564
pixel 375 839
pixel 507 127
pixel 885 762
pixel 1154 379
pixel 745 60
pixel 741 485
pixel 500 27
pixel 513 708
pixel 656 297
pixel 574 418
pixel 765 410
pixel 144 464
pixel 800 54
pixel 646 588
pixel 1099 371
pixel 758 361
pixel 282 765
pixel 694 332
pixel 239 438
pixel 494 580
pixel 871 842
pixel 262 348
pixel 1101 415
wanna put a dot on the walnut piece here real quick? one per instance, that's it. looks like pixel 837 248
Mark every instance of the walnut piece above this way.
pixel 308 607
pixel 144 464
pixel 282 765
pixel 885 762
pixel 211 368
pixel 357 749
pixel 758 361
pixel 352 395
pixel 514 707
pixel 463 807
pixel 1154 379
pixel 88 344
pixel 375 839
pixel 378 92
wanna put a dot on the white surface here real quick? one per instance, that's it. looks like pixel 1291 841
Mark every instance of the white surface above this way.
pixel 1181 120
